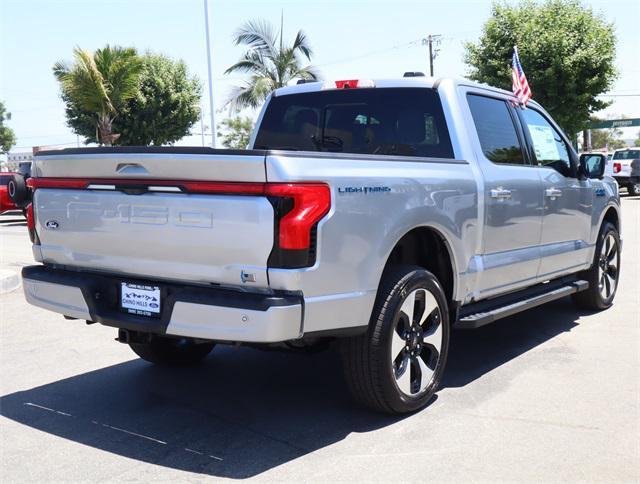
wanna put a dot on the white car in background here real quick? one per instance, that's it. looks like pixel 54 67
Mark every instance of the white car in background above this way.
pixel 625 168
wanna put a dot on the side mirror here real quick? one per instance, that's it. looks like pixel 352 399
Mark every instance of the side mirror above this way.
pixel 592 165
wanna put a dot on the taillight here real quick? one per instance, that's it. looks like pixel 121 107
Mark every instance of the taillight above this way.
pixel 617 167
pixel 311 202
pixel 31 224
pixel 298 208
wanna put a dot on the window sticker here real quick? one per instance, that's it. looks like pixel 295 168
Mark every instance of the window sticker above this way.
pixel 544 142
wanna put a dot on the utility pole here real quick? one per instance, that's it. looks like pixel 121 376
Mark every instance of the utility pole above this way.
pixel 206 26
pixel 202 124
pixel 433 53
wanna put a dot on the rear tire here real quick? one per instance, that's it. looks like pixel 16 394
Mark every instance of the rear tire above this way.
pixel 172 351
pixel 17 190
pixel 604 273
pixel 634 189
pixel 396 366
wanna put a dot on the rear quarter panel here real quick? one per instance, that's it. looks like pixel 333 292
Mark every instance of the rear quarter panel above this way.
pixel 375 201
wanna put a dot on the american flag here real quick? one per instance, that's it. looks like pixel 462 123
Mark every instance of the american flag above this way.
pixel 520 85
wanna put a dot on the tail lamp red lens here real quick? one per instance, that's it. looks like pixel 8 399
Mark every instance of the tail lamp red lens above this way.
pixel 311 202
pixel 31 223
pixel 617 167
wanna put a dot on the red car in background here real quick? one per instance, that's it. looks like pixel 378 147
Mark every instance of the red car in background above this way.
pixel 5 201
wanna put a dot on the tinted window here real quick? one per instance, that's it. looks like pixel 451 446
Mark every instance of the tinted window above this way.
pixel 496 130
pixel 383 121
pixel 4 179
pixel 548 146
pixel 626 155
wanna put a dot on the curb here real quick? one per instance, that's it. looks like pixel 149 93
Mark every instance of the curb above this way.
pixel 9 281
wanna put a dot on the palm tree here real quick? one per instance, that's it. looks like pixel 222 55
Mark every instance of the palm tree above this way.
pixel 271 63
pixel 100 83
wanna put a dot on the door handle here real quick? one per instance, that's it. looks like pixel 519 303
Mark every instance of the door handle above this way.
pixel 553 193
pixel 500 193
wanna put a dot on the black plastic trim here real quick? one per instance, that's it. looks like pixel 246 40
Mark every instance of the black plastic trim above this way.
pixel 338 332
pixel 102 295
pixel 479 314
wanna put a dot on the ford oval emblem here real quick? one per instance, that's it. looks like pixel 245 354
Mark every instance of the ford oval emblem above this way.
pixel 51 224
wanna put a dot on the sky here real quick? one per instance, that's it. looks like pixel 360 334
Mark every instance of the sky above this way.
pixel 350 39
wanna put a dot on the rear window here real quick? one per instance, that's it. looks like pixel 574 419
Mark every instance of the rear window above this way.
pixel 379 121
pixel 626 155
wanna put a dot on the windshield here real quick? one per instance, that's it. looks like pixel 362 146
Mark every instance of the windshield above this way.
pixel 384 121
pixel 626 155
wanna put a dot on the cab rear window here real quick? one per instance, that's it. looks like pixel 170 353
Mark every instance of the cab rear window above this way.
pixel 626 155
pixel 378 121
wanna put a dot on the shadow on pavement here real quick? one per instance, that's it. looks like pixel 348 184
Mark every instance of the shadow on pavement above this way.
pixel 473 353
pixel 246 411
pixel 19 221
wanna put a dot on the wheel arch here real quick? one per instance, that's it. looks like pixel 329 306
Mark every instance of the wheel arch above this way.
pixel 417 246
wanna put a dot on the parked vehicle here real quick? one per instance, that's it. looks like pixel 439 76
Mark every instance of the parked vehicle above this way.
pixel 19 192
pixel 379 213
pixel 6 203
pixel 626 169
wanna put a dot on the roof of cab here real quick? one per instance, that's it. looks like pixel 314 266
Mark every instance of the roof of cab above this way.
pixel 428 82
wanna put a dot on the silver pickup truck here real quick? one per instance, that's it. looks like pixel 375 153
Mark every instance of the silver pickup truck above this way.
pixel 377 213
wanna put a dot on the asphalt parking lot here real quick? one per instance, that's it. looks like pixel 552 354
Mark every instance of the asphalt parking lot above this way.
pixel 549 395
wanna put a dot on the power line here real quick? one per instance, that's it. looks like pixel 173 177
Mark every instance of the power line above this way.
pixel 368 54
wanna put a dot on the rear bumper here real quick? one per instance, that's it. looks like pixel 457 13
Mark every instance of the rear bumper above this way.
pixel 627 180
pixel 211 313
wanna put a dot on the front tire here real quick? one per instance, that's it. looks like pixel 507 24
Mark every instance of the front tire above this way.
pixel 397 365
pixel 604 273
pixel 172 351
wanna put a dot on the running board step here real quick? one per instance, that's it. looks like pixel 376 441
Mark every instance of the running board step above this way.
pixel 531 298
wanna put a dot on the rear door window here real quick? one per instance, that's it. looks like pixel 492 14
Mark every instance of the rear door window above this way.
pixel 496 130
pixel 380 121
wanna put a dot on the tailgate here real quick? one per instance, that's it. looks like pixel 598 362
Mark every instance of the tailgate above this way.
pixel 121 223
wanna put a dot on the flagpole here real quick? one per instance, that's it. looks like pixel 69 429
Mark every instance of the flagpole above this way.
pixel 206 26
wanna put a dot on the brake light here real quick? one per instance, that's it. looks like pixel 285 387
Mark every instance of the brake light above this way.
pixel 349 84
pixel 617 167
pixel 31 224
pixel 311 202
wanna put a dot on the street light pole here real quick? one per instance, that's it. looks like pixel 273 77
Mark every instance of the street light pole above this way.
pixel 206 26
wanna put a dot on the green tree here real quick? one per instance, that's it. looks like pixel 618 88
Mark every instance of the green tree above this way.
pixel 163 110
pixel 235 132
pixel 7 136
pixel 637 141
pixel 270 62
pixel 609 139
pixel 567 52
pixel 99 85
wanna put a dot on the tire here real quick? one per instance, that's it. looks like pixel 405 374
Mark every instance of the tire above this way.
pixel 634 188
pixel 17 190
pixel 391 368
pixel 604 274
pixel 172 351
